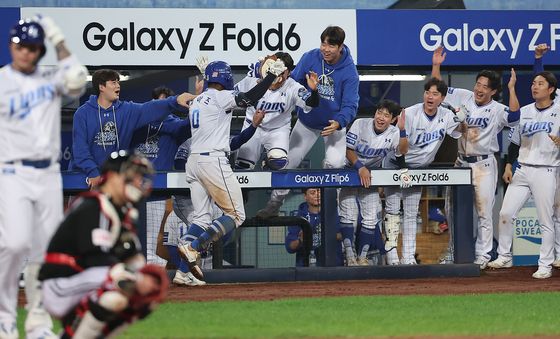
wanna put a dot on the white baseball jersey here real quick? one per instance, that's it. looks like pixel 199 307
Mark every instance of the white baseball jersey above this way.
pixel 426 134
pixel 277 104
pixel 369 146
pixel 30 112
pixel 484 122
pixel 210 117
pixel 536 147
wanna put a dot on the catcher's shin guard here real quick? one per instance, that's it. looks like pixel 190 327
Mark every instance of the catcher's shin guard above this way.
pixel 392 230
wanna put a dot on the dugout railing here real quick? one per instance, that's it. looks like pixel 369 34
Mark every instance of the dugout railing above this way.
pixel 457 179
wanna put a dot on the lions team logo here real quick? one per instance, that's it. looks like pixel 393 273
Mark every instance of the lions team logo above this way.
pixel 107 136
pixel 326 87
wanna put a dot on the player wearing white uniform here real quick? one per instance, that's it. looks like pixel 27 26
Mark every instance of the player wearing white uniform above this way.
pixel 208 170
pixel 426 125
pixel 485 119
pixel 30 182
pixel 278 103
pixel 338 104
pixel 539 160
pixel 367 143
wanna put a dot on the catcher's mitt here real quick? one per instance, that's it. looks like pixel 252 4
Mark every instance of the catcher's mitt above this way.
pixel 136 301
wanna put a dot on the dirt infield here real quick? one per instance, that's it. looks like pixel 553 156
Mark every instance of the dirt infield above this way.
pixel 516 279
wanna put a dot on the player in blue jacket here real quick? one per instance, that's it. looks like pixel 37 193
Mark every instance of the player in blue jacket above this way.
pixel 338 104
pixel 105 124
pixel 159 141
pixel 310 210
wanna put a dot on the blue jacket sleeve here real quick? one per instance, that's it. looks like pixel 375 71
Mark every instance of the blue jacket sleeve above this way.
pixel 242 138
pixel 82 158
pixel 538 66
pixel 293 234
pixel 180 129
pixel 154 110
pixel 349 104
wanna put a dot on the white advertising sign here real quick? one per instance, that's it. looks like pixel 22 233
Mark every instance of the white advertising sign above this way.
pixel 527 236
pixel 175 36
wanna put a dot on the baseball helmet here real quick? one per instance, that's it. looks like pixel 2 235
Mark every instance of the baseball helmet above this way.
pixel 129 165
pixel 28 32
pixel 218 72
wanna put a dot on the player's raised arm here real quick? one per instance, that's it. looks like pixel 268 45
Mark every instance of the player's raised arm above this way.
pixel 513 101
pixel 250 98
pixel 403 137
pixel 437 59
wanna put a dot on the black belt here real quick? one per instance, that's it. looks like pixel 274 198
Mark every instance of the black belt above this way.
pixel 474 158
pixel 31 163
pixel 215 153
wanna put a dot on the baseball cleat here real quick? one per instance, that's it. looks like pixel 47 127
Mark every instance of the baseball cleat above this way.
pixel 482 262
pixel 501 262
pixel 8 330
pixel 187 279
pixel 362 261
pixel 556 263
pixel 542 273
pixel 191 256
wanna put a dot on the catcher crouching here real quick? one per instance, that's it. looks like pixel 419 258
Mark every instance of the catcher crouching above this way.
pixel 95 278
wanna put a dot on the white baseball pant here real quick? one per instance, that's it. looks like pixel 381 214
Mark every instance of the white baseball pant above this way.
pixel 31 208
pixel 368 200
pixel 541 183
pixel 213 181
pixel 411 200
pixel 269 139
pixel 302 140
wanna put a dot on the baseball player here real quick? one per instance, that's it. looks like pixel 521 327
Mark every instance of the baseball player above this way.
pixel 159 142
pixel 278 103
pixel 539 160
pixel 485 120
pixel 94 276
pixel 105 124
pixel 426 125
pixel 208 171
pixel 338 104
pixel 538 67
pixel 367 143
pixel 183 211
pixel 310 209
pixel 30 181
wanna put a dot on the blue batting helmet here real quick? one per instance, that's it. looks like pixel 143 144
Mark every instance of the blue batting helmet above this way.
pixel 27 31
pixel 219 72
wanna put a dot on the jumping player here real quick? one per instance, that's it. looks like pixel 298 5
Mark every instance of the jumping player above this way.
pixel 30 181
pixel 208 171
pixel 182 216
pixel 367 143
pixel 338 104
pixel 94 276
pixel 426 125
pixel 278 103
pixel 485 119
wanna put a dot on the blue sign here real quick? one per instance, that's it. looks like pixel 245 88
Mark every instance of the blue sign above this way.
pixel 408 37
pixel 8 17
pixel 318 178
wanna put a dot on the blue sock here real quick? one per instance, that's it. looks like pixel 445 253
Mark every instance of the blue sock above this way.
pixel 193 232
pixel 183 267
pixel 347 231
pixel 174 256
pixel 365 239
pixel 219 227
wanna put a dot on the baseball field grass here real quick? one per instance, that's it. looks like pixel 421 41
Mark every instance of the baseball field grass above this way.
pixel 501 314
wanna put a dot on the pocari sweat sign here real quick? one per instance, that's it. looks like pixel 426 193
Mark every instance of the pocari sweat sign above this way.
pixel 408 37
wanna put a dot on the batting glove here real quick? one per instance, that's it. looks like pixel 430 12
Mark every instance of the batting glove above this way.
pixel 275 67
pixel 460 116
pixel 201 63
pixel 406 181
pixel 52 31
